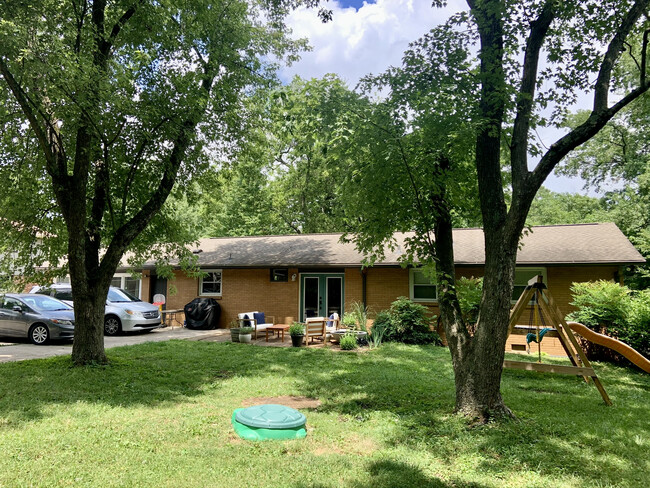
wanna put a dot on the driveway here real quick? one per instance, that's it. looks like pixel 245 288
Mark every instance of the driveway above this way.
pixel 21 351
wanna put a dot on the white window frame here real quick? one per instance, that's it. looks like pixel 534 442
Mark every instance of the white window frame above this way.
pixel 412 288
pixel 220 293
pixel 537 270
pixel 123 277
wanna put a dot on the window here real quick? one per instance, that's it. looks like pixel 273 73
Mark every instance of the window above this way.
pixel 127 282
pixel 279 274
pixel 422 289
pixel 9 303
pixel 522 277
pixel 210 283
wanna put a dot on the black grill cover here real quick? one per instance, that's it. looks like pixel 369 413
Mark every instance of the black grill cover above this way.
pixel 202 313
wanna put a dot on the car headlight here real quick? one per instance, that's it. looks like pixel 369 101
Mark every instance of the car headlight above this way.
pixel 134 313
pixel 62 322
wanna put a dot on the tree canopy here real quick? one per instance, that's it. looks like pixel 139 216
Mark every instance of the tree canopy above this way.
pixel 105 108
pixel 534 59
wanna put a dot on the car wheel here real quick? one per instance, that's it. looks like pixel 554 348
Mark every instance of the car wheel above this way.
pixel 39 334
pixel 112 325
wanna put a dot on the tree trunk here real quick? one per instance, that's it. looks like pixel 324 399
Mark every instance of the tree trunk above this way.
pixel 479 365
pixel 89 306
pixel 478 360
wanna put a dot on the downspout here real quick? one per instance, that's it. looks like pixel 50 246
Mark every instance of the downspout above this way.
pixel 364 275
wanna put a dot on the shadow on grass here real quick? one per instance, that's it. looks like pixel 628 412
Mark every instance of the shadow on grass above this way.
pixel 149 374
pixel 394 474
pixel 564 430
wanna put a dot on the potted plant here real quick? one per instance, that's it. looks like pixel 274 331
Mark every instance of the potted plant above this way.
pixel 234 331
pixel 297 333
pixel 245 334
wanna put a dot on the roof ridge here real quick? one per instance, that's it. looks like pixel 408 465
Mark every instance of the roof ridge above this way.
pixel 399 232
pixel 276 235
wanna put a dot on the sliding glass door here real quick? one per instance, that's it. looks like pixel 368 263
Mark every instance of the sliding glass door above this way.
pixel 321 294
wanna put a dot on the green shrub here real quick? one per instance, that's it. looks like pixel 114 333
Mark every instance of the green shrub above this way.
pixel 613 310
pixel 602 305
pixel 406 322
pixel 638 334
pixel 245 330
pixel 349 342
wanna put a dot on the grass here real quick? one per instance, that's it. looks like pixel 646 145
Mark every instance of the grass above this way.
pixel 159 415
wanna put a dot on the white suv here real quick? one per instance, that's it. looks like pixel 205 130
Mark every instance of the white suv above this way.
pixel 123 313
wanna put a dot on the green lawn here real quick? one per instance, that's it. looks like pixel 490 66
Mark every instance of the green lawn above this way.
pixel 159 415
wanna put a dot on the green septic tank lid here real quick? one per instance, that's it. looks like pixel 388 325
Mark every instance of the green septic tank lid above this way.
pixel 270 416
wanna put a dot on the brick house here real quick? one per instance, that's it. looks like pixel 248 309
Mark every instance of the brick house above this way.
pixel 296 276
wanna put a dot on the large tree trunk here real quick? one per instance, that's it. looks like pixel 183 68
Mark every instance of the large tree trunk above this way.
pixel 478 366
pixel 477 359
pixel 89 306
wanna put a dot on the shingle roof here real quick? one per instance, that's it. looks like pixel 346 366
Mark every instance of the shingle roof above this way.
pixel 556 244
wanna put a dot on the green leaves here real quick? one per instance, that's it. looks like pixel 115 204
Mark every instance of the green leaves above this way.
pixel 131 96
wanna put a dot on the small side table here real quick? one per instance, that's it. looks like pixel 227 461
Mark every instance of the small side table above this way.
pixel 277 328
pixel 171 316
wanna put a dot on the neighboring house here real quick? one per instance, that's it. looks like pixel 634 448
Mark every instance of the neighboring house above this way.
pixel 296 276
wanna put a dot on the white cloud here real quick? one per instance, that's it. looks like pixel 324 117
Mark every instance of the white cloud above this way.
pixel 369 40
pixel 363 41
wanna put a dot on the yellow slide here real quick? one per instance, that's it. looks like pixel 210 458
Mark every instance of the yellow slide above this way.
pixel 618 346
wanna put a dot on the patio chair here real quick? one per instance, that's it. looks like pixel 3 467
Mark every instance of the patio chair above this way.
pixel 315 327
pixel 257 320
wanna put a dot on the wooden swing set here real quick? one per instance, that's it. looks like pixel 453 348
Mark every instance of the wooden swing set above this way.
pixel 545 310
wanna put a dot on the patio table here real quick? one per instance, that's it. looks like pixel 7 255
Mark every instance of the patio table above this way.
pixel 277 328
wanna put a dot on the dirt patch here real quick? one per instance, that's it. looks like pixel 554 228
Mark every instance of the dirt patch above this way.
pixel 289 401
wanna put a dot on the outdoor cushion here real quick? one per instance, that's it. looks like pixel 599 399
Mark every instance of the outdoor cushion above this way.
pixel 259 317
pixel 246 316
pixel 333 320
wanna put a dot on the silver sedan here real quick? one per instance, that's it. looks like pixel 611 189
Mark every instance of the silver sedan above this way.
pixel 37 317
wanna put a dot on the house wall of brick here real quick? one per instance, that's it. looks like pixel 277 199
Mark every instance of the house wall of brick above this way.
pixel 246 290
pixel 243 290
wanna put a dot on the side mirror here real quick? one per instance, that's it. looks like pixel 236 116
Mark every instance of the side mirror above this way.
pixel 18 308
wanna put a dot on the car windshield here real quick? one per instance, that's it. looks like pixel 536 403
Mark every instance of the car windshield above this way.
pixel 117 295
pixel 44 303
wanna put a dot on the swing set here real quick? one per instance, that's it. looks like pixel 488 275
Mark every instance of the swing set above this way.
pixel 545 312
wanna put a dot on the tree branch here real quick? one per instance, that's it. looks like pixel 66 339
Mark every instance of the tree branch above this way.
pixel 135 163
pixel 122 21
pixel 614 50
pixel 40 131
pixel 519 148
pixel 579 135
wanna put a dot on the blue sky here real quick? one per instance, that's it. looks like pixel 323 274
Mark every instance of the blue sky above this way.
pixel 368 37
pixel 353 3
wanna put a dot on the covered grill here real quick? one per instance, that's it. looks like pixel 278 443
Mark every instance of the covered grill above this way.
pixel 202 313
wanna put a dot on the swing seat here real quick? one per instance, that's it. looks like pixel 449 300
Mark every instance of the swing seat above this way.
pixel 530 337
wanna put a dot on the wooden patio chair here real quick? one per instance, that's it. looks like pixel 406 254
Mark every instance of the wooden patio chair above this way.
pixel 315 327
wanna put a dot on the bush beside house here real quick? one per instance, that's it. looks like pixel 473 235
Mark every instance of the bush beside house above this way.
pixel 613 310
pixel 406 322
